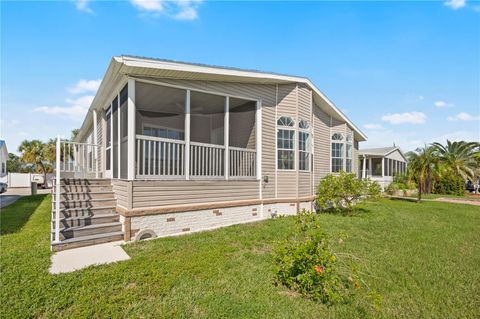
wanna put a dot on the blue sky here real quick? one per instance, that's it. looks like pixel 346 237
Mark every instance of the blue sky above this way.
pixel 403 72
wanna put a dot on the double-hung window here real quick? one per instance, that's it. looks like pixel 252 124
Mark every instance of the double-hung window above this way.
pixel 349 155
pixel 304 146
pixel 337 152
pixel 285 143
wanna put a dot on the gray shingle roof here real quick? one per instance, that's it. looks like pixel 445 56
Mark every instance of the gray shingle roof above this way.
pixel 377 151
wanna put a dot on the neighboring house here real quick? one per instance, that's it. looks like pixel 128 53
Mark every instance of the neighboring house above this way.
pixel 382 164
pixel 3 159
pixel 188 147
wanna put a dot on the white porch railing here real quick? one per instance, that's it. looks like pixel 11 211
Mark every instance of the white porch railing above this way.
pixel 206 160
pixel 160 157
pixel 163 158
pixel 77 160
pixel 242 162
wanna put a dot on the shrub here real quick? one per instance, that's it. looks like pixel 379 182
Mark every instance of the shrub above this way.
pixel 337 193
pixel 450 185
pixel 307 264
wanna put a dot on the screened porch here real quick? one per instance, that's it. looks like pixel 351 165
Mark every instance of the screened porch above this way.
pixel 180 133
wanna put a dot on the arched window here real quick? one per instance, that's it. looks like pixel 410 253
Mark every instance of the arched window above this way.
pixel 349 153
pixel 285 121
pixel 337 137
pixel 338 152
pixel 285 143
pixel 304 146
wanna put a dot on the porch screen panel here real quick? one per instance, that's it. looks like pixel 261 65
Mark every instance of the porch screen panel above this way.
pixel 124 133
pixel 160 113
pixel 377 166
pixel 115 138
pixel 207 112
pixel 242 137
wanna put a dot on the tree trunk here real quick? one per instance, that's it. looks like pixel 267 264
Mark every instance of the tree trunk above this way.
pixel 45 184
pixel 419 191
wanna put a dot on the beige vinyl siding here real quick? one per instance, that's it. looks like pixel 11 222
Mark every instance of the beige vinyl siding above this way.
pixel 165 193
pixel 122 191
pixel 268 149
pixel 304 113
pixel 287 106
pixel 304 184
pixel 286 185
pixel 321 144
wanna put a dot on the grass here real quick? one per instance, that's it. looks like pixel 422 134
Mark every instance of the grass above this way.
pixel 423 258
pixel 467 196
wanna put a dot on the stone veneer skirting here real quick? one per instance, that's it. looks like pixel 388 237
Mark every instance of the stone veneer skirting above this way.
pixel 159 222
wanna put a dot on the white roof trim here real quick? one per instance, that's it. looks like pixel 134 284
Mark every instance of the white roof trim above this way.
pixel 119 61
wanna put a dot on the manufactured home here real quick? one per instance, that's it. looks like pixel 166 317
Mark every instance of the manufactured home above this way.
pixel 382 164
pixel 169 148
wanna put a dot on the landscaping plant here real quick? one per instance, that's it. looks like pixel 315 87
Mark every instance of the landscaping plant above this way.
pixel 306 263
pixel 339 193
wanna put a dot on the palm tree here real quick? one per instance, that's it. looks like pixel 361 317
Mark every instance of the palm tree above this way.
pixel 38 153
pixel 459 157
pixel 423 168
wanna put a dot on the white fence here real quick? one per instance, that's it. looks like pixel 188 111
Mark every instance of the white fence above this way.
pixel 24 179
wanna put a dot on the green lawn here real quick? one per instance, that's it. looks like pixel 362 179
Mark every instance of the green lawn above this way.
pixel 423 258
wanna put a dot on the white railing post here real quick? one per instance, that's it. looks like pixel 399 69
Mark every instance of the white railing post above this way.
pixel 57 192
pixel 131 110
pixel 187 136
pixel 258 137
pixel 95 141
pixel 226 137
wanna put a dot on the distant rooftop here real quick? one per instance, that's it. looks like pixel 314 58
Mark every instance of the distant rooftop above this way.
pixel 378 151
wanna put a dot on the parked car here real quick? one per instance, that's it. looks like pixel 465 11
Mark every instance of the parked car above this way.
pixel 3 187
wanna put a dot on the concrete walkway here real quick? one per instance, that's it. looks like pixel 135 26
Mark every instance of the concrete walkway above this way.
pixel 78 258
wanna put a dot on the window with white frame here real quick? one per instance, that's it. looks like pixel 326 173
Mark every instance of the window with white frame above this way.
pixel 285 143
pixel 349 153
pixel 304 147
pixel 337 152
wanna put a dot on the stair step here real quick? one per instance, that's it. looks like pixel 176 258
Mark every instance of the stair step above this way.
pixel 102 202
pixel 82 231
pixel 85 211
pixel 87 240
pixel 84 195
pixel 84 181
pixel 87 220
pixel 83 188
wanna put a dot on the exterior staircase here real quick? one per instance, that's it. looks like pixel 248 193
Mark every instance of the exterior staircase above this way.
pixel 87 213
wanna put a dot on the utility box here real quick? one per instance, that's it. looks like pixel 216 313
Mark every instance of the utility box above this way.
pixel 33 188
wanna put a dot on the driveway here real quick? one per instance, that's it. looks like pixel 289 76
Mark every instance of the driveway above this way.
pixel 12 194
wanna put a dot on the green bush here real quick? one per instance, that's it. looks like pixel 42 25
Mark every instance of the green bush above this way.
pixel 393 187
pixel 450 185
pixel 340 193
pixel 307 264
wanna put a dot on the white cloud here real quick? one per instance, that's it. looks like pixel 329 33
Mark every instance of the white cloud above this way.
pixel 457 136
pixel 442 104
pixel 82 5
pixel 83 86
pixel 462 116
pixel 421 97
pixel 149 5
pixel 455 4
pixel 373 126
pixel 77 107
pixel 177 9
pixel 407 117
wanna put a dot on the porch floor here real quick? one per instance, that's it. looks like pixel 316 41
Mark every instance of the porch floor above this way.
pixel 82 257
